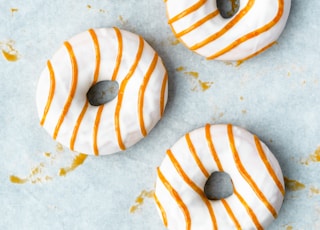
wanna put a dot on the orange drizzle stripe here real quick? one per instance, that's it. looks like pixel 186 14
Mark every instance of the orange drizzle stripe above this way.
pixel 256 53
pixel 194 187
pixel 219 165
pixel 249 210
pixel 268 166
pixel 77 125
pixel 113 78
pixel 121 92
pixel 195 155
pixel 51 93
pixel 198 23
pixel 120 48
pixel 187 11
pixel 142 91
pixel 163 212
pixel 95 130
pixel 72 89
pixel 252 34
pixel 163 91
pixel 212 149
pixel 231 214
pixel 177 198
pixel 226 28
pixel 95 78
pixel 246 175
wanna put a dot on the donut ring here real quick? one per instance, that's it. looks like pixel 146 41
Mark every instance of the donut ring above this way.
pixel 254 28
pixel 255 173
pixel 90 57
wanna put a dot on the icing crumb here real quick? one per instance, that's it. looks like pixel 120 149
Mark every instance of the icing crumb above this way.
pixel 180 68
pixel 205 85
pixel 173 41
pixel 8 51
pixel 241 98
pixel 89 6
pixel 77 161
pixel 59 147
pixel 122 20
pixel 14 10
pixel 244 111
pixel 140 200
pixel 289 228
pixel 293 185
pixel 314 190
pixel 192 74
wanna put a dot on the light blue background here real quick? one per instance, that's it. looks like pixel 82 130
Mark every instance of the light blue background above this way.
pixel 275 95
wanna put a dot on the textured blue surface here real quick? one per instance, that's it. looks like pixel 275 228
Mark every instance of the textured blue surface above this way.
pixel 275 95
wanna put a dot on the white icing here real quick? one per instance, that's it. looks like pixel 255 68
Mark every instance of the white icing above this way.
pixel 251 161
pixel 260 14
pixel 85 54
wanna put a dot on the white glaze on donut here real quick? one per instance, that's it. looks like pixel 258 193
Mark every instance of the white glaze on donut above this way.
pixel 255 173
pixel 200 27
pixel 90 57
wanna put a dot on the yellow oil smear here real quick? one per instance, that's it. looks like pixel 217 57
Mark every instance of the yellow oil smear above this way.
pixel 140 200
pixel 8 51
pixel 14 10
pixel 17 180
pixel 35 176
pixel 77 161
pixel 205 85
pixel 89 6
pixel 314 191
pixel 314 157
pixel 289 228
pixel 293 185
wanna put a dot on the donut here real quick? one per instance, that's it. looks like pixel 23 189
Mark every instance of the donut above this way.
pixel 258 185
pixel 91 57
pixel 201 26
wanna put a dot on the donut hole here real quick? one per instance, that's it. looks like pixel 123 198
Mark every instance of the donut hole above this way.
pixel 218 186
pixel 228 8
pixel 102 92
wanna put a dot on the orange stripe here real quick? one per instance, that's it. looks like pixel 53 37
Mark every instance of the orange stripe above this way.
pixel 212 149
pixel 256 53
pixel 198 23
pixel 268 166
pixel 51 93
pixel 187 11
pixel 113 78
pixel 120 48
pixel 177 198
pixel 163 212
pixel 195 156
pixel 226 28
pixel 121 92
pixel 142 91
pixel 95 78
pixel 163 91
pixel 194 187
pixel 77 125
pixel 249 210
pixel 246 175
pixel 95 130
pixel 252 34
pixel 219 165
pixel 72 89
pixel 231 214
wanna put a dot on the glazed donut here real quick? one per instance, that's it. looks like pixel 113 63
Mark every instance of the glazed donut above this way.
pixel 255 27
pixel 95 56
pixel 258 185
